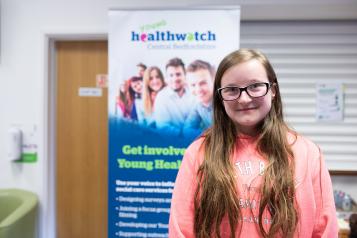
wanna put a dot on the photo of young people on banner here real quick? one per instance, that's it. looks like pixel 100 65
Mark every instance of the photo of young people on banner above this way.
pixel 175 100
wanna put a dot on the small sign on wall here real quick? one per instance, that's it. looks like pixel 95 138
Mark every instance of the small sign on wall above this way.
pixel 102 80
pixel 329 102
pixel 89 92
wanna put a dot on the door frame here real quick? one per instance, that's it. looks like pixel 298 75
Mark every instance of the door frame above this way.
pixel 47 219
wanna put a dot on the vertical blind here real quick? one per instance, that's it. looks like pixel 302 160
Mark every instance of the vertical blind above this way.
pixel 304 53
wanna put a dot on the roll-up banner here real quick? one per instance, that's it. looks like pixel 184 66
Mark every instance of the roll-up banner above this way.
pixel 161 69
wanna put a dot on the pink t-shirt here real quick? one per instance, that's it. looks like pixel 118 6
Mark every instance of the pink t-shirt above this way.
pixel 316 208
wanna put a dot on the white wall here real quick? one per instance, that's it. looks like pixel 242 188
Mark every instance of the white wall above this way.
pixel 24 76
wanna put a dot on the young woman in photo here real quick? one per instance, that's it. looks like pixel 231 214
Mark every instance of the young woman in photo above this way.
pixel 153 83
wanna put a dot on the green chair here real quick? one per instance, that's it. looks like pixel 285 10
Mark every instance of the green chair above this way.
pixel 18 213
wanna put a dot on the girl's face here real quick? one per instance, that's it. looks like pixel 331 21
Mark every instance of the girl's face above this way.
pixel 155 82
pixel 122 87
pixel 247 112
pixel 137 86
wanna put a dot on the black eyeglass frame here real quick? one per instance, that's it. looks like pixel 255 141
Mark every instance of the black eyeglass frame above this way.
pixel 244 89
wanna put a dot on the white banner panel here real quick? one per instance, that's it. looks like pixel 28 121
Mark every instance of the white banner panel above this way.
pixel 158 103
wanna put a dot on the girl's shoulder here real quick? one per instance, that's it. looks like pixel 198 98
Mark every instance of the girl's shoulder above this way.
pixel 309 159
pixel 196 146
pixel 301 142
pixel 307 154
pixel 194 154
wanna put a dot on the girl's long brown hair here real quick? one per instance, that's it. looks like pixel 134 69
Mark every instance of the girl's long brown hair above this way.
pixel 216 194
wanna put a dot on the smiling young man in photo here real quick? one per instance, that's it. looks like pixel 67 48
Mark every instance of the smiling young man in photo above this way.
pixel 173 103
pixel 200 77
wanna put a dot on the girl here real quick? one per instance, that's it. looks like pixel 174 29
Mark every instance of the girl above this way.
pixel 153 83
pixel 129 98
pixel 250 175
pixel 123 102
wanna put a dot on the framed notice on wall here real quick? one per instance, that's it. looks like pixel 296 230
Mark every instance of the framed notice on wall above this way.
pixel 329 102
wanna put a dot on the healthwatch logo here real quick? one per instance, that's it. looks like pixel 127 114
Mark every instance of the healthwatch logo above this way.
pixel 171 36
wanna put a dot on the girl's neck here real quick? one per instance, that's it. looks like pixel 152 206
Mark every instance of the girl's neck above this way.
pixel 248 132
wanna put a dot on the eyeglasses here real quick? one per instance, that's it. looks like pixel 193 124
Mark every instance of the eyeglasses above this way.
pixel 254 90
